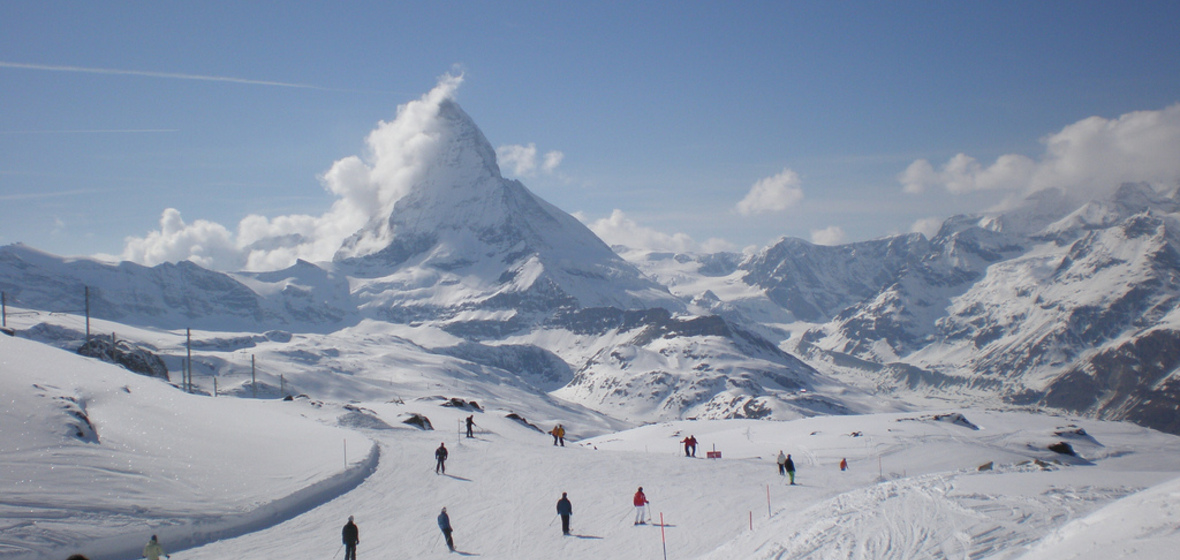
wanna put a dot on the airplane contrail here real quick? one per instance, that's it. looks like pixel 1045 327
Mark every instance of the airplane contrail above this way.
pixel 92 131
pixel 172 75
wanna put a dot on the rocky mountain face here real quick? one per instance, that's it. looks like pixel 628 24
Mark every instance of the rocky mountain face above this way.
pixel 1074 312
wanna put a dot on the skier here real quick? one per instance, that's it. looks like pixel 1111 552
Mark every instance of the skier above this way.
pixel 351 537
pixel 470 425
pixel 690 446
pixel 640 502
pixel 444 523
pixel 153 551
pixel 843 464
pixel 441 455
pixel 565 509
pixel 782 463
pixel 558 435
pixel 790 466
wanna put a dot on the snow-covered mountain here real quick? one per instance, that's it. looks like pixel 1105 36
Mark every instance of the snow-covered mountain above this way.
pixel 466 241
pixel 468 297
pixel 472 266
pixel 1054 304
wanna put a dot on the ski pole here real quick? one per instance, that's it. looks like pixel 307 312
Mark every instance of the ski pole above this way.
pixel 337 552
pixel 552 520
pixel 434 544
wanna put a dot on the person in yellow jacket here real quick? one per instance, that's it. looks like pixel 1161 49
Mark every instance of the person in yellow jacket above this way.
pixel 153 551
pixel 558 435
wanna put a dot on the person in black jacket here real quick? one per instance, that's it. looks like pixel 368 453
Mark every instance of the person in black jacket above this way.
pixel 441 455
pixel 352 537
pixel 444 523
pixel 565 510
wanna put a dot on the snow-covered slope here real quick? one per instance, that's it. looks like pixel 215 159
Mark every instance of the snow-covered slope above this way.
pixel 914 487
pixel 95 457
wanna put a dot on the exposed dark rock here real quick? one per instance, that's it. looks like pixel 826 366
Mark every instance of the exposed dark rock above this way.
pixel 520 419
pixel 132 357
pixel 415 419
pixel 1063 448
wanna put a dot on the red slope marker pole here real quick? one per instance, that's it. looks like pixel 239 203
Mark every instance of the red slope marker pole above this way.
pixel 662 538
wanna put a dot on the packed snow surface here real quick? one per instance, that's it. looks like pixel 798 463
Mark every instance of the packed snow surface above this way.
pixel 221 477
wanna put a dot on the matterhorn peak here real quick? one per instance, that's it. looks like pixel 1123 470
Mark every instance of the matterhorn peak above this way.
pixel 446 217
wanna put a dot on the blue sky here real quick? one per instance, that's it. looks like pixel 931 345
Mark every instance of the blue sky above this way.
pixel 666 115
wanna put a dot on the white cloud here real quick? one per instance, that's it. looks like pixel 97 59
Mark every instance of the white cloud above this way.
pixel 365 189
pixel 772 194
pixel 618 229
pixel 206 243
pixel 832 235
pixel 552 160
pixel 927 226
pixel 521 161
pixel 1088 157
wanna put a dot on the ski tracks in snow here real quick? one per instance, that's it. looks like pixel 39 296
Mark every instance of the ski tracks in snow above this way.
pixel 926 517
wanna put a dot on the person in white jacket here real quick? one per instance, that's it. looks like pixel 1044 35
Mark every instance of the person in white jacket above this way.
pixel 153 551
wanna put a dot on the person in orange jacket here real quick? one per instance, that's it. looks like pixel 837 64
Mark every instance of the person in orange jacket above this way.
pixel 640 502
pixel 558 435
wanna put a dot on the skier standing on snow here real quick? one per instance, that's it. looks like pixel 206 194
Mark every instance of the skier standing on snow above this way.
pixel 470 425
pixel 790 466
pixel 351 537
pixel 558 435
pixel 843 464
pixel 153 551
pixel 640 502
pixel 444 523
pixel 440 454
pixel 690 446
pixel 565 509
pixel 782 463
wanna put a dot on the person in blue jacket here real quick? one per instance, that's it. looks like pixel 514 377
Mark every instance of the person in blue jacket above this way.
pixel 565 510
pixel 444 523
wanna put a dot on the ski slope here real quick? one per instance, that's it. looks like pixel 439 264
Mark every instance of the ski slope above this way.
pixel 269 479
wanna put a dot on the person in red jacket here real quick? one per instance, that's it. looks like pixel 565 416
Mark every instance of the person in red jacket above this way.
pixel 640 502
pixel 690 446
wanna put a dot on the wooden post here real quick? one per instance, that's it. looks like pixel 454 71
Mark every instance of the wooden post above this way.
pixel 253 385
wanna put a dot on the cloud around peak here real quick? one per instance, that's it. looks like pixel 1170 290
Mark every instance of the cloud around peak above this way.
pixel 366 188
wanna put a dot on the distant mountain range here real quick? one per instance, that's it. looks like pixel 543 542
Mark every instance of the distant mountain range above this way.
pixel 1056 304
